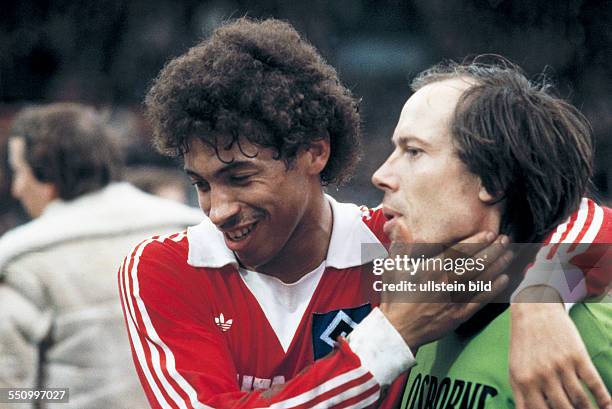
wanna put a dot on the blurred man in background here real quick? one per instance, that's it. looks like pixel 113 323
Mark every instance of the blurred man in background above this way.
pixel 61 320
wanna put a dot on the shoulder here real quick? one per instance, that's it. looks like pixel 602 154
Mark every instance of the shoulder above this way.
pixel 590 223
pixel 169 249
pixel 115 210
pixel 582 241
pixel 156 270
pixel 605 233
pixel 21 240
pixel 156 282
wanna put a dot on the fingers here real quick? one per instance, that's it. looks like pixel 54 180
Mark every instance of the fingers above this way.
pixel 519 399
pixel 556 396
pixel 401 233
pixel 495 258
pixel 498 286
pixel 536 399
pixel 471 245
pixel 589 375
pixel 401 240
pixel 489 257
pixel 493 270
pixel 575 391
pixel 562 390
pixel 565 391
pixel 527 393
pixel 483 298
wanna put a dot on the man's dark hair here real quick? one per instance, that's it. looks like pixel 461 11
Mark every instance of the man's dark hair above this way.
pixel 68 145
pixel 257 80
pixel 528 146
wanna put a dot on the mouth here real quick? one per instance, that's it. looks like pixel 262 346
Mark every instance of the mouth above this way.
pixel 241 233
pixel 391 215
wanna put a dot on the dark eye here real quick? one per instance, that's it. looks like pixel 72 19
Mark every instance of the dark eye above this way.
pixel 413 152
pixel 201 185
pixel 239 179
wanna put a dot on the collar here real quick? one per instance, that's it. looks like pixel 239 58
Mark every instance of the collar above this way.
pixel 207 247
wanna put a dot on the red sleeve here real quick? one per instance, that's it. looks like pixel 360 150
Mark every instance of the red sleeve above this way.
pixel 582 241
pixel 183 362
pixel 375 220
pixel 395 393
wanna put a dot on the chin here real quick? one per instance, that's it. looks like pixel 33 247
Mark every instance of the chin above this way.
pixel 251 262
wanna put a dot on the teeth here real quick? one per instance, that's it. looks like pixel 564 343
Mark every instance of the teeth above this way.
pixel 240 234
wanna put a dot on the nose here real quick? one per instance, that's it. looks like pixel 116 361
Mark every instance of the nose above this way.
pixel 223 209
pixel 385 178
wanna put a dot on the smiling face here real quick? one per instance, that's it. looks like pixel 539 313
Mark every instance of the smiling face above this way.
pixel 425 183
pixel 267 212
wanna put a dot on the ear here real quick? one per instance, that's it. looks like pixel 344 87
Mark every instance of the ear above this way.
pixel 317 155
pixel 486 197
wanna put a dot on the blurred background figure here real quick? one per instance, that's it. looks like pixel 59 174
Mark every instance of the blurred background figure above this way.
pixel 61 324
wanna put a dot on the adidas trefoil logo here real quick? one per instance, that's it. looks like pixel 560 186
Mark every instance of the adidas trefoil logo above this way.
pixel 221 323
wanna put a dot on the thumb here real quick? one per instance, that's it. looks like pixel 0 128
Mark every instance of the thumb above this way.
pixel 401 233
pixel 401 239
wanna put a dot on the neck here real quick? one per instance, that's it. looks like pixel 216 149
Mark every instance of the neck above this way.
pixel 307 247
pixel 491 219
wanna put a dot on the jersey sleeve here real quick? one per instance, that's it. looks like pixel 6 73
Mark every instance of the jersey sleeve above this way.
pixel 574 258
pixel 375 220
pixel 183 362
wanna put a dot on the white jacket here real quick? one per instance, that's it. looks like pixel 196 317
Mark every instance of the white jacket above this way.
pixel 60 295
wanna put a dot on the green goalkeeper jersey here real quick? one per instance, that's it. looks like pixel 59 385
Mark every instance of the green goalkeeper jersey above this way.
pixel 471 372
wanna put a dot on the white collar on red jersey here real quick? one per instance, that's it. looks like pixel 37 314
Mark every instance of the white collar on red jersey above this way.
pixel 207 247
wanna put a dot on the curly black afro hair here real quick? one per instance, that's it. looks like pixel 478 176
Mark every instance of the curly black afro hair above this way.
pixel 261 81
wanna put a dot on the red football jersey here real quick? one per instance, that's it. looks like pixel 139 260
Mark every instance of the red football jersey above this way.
pixel 206 333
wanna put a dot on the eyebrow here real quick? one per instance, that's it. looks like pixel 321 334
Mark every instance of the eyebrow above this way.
pixel 404 140
pixel 236 165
